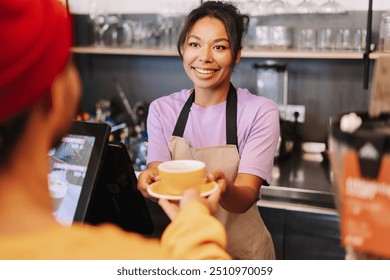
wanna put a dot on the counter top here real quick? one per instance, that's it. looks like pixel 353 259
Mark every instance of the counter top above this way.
pixel 300 179
pixel 300 182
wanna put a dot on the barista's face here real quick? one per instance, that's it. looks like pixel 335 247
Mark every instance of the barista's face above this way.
pixel 207 56
pixel 66 93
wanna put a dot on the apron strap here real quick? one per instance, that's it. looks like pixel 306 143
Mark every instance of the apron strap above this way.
pixel 231 116
pixel 183 117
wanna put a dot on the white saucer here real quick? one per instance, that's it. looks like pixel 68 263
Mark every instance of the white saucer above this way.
pixel 156 191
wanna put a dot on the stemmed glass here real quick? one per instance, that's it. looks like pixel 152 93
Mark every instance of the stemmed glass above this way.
pixel 166 24
pixel 139 33
pixel 99 17
pixel 307 7
pixel 279 7
pixel 332 7
pixel 261 8
pixel 248 7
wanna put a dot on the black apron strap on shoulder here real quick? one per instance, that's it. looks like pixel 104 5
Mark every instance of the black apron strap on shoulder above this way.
pixel 231 117
pixel 182 120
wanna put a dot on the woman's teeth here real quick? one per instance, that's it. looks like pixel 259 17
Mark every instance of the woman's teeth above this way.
pixel 202 71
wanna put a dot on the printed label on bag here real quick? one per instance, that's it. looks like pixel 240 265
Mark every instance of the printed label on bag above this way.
pixel 365 215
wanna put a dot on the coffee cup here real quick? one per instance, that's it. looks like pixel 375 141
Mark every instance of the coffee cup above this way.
pixel 177 176
pixel 58 187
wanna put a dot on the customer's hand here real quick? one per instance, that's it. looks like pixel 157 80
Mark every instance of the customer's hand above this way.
pixel 219 177
pixel 172 208
pixel 147 177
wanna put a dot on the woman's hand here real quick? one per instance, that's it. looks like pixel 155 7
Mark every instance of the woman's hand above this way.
pixel 219 177
pixel 147 177
pixel 172 208
pixel 239 196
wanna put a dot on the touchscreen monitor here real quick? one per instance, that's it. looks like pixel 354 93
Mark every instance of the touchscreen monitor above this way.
pixel 93 181
pixel 74 170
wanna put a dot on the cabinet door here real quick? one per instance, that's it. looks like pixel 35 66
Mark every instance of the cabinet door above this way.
pixel 310 236
pixel 274 220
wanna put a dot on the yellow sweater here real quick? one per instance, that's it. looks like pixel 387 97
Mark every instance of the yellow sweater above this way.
pixel 194 234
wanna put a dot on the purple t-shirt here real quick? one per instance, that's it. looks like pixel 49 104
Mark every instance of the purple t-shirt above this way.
pixel 257 129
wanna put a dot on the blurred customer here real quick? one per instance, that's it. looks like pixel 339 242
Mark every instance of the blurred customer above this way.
pixel 39 93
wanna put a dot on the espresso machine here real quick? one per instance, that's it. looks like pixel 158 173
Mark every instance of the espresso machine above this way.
pixel 272 82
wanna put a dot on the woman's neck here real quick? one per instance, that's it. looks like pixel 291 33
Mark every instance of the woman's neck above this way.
pixel 207 97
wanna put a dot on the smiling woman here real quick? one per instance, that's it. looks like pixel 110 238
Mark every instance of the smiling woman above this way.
pixel 229 129
pixel 207 59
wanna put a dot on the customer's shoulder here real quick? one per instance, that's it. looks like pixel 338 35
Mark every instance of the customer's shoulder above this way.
pixel 108 241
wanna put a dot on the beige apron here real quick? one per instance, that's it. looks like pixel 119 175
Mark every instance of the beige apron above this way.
pixel 248 237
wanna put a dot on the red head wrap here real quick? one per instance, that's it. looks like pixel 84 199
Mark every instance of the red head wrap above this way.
pixel 35 37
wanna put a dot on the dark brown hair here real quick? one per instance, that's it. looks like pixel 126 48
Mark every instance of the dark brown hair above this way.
pixel 10 132
pixel 12 129
pixel 236 24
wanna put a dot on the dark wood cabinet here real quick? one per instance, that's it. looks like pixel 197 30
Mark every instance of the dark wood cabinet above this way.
pixel 303 235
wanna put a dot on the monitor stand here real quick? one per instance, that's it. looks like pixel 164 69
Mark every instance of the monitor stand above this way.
pixel 116 198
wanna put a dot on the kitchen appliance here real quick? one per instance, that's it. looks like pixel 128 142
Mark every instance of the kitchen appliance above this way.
pixel 134 135
pixel 272 82
pixel 360 163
